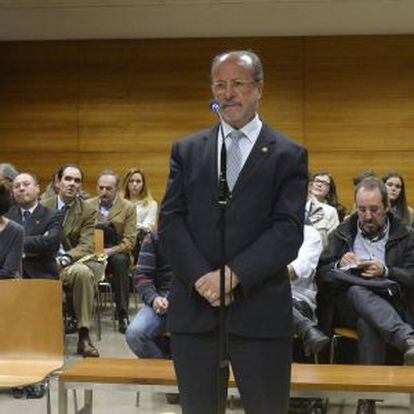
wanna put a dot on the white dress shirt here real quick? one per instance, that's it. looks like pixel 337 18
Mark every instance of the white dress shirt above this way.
pixel 251 131
pixel 304 288
pixel 147 215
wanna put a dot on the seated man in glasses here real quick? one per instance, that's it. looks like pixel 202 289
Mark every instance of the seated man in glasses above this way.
pixel 377 245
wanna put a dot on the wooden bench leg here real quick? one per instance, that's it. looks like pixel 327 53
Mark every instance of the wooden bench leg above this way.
pixel 63 398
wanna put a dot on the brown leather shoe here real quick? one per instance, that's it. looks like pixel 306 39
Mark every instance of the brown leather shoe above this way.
pixel 86 349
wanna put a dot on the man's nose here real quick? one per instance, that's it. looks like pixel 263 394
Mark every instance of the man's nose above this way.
pixel 368 215
pixel 229 91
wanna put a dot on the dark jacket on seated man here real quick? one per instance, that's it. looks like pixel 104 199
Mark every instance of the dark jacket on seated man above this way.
pixel 399 256
pixel 43 232
pixel 357 306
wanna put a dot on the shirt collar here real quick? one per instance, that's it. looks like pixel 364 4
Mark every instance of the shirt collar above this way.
pixel 61 203
pixel 384 232
pixel 30 210
pixel 251 130
pixel 108 207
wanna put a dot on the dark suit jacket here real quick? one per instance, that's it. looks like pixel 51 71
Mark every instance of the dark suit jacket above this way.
pixel 264 232
pixel 42 237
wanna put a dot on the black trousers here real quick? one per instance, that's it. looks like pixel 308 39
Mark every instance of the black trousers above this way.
pixel 302 317
pixel 261 368
pixel 118 267
pixel 376 321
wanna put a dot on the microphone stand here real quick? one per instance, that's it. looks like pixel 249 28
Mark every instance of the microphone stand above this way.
pixel 223 200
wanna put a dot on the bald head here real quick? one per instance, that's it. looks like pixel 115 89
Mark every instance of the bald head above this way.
pixel 244 58
pixel 26 190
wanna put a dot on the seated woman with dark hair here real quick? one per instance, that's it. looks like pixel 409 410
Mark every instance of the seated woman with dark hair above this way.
pixel 322 187
pixel 11 238
pixel 394 183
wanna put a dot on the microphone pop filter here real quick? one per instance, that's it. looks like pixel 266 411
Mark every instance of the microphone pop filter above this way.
pixel 215 106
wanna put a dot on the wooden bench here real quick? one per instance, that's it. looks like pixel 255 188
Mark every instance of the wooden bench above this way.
pixel 308 380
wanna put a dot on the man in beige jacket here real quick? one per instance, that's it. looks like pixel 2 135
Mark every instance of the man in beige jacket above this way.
pixel 117 217
pixel 77 274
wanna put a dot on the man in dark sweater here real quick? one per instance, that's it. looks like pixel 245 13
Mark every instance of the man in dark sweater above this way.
pixel 153 277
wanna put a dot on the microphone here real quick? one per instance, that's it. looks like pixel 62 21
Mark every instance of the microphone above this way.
pixel 224 191
pixel 215 106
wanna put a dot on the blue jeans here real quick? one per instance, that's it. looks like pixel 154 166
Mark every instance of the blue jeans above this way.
pixel 142 331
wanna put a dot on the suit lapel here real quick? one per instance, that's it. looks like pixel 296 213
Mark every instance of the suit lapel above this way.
pixel 116 209
pixel 34 219
pixel 210 158
pixel 72 217
pixel 262 149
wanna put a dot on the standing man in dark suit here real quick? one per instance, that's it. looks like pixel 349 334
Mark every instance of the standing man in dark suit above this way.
pixel 267 177
pixel 43 228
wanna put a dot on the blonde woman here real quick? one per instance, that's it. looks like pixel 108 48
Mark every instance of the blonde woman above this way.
pixel 135 189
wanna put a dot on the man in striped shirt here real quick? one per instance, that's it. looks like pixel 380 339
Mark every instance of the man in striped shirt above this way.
pixel 152 278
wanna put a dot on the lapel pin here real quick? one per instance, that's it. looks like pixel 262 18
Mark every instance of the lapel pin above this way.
pixel 37 221
pixel 264 150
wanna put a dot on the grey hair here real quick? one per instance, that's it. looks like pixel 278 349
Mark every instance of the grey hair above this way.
pixel 373 183
pixel 247 57
pixel 113 174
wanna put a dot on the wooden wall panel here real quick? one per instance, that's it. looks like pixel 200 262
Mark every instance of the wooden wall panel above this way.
pixel 155 166
pixel 43 164
pixel 359 93
pixel 121 103
pixel 38 96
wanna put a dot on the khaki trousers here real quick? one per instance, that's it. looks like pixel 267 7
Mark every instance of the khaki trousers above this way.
pixel 81 279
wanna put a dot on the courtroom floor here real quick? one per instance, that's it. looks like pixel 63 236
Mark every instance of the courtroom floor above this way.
pixel 123 402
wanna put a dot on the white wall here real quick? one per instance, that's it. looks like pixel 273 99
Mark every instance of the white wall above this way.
pixel 94 19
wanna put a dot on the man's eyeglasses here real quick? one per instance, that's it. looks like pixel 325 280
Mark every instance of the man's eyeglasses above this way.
pixel 236 85
pixel 371 209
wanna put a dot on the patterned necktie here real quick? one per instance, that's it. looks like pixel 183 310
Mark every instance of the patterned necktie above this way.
pixel 26 216
pixel 64 209
pixel 234 158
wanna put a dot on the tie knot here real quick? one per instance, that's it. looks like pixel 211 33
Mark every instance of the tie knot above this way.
pixel 65 208
pixel 236 135
pixel 26 215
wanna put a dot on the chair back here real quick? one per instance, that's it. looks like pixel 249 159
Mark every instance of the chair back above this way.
pixel 99 241
pixel 31 325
